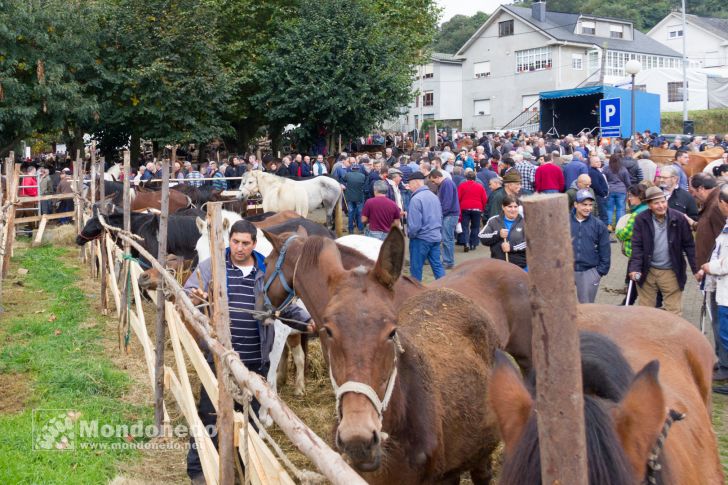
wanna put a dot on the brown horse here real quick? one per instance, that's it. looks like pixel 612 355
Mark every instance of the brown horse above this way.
pixel 409 385
pixel 624 417
pixel 500 288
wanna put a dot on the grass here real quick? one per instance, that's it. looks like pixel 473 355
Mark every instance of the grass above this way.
pixel 46 341
pixel 706 121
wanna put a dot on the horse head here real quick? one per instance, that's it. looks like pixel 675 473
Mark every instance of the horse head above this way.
pixel 362 346
pixel 623 416
pixel 249 184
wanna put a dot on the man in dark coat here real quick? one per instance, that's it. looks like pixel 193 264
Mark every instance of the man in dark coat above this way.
pixel 677 198
pixel 660 238
pixel 355 182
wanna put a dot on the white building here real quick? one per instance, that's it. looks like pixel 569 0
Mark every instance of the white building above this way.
pixel 439 92
pixel 706 38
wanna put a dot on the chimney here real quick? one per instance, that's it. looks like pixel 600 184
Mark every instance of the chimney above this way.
pixel 538 11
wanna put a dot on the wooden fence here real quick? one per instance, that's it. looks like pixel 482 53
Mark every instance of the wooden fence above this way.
pixel 262 465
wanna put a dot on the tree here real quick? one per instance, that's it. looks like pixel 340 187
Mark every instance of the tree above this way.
pixel 47 68
pixel 162 78
pixel 454 33
pixel 337 67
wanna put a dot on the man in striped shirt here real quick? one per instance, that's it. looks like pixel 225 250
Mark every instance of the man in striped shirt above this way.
pixel 251 338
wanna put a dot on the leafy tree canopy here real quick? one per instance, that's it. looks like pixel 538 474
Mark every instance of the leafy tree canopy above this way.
pixel 453 34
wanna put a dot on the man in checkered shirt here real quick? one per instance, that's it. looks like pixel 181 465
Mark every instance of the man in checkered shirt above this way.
pixel 193 175
pixel 527 170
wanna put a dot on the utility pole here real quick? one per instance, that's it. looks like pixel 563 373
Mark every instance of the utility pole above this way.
pixel 685 71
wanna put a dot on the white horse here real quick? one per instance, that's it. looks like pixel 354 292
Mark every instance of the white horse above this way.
pixel 320 191
pixel 278 193
pixel 113 174
pixel 263 246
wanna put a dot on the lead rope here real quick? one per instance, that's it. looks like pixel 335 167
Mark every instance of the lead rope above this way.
pixel 653 462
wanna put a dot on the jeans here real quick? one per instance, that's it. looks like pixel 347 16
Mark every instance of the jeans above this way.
pixel 720 329
pixel 208 416
pixel 419 251
pixel 406 196
pixel 550 191
pixel 615 200
pixel 381 235
pixel 602 209
pixel 355 215
pixel 448 240
pixel 471 227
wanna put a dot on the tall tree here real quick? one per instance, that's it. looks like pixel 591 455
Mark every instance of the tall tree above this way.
pixel 453 34
pixel 47 66
pixel 162 78
pixel 339 67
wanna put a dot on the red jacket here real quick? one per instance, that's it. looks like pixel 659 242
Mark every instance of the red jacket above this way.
pixel 549 177
pixel 472 196
pixel 29 187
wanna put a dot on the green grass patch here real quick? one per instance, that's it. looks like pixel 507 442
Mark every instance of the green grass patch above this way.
pixel 65 361
pixel 708 121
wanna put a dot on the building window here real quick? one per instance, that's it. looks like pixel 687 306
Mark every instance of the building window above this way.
pixel 505 28
pixel 481 107
pixel 533 59
pixel 640 87
pixel 428 99
pixel 674 32
pixel 577 62
pixel 427 71
pixel 588 28
pixel 593 61
pixel 481 69
pixel 616 31
pixel 616 60
pixel 675 92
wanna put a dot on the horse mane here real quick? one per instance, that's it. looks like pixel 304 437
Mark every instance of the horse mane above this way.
pixel 606 377
pixel 312 248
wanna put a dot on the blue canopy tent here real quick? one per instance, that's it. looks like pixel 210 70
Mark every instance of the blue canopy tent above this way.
pixel 572 110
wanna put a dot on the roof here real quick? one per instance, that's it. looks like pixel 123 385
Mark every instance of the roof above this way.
pixel 442 57
pixel 714 25
pixel 561 26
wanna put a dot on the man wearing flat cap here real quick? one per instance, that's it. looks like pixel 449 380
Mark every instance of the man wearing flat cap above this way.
pixel 511 186
pixel 661 240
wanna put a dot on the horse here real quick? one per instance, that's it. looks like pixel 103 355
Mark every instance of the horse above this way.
pixel 285 193
pixel 498 287
pixel 629 440
pixel 409 384
pixel 141 200
pixel 181 231
pixel 113 173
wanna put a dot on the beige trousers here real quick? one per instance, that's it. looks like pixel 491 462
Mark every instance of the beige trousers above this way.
pixel 665 281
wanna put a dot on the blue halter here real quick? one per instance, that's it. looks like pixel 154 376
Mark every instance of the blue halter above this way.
pixel 291 293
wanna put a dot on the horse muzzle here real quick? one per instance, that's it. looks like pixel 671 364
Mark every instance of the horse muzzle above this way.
pixel 365 453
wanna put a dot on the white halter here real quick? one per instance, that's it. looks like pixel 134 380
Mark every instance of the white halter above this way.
pixel 366 389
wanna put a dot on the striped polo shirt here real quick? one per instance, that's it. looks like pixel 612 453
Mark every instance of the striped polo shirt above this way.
pixel 244 331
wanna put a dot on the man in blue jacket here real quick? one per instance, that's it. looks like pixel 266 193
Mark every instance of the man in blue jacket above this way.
pixel 447 192
pixel 251 338
pixel 599 185
pixel 590 240
pixel 424 225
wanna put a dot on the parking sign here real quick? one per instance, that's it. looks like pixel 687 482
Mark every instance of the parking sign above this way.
pixel 610 115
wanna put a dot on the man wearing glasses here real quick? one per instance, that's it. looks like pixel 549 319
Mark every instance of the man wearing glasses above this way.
pixel 677 198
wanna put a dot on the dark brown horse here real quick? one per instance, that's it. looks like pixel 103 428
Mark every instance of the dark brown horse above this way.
pixel 624 413
pixel 500 288
pixel 410 385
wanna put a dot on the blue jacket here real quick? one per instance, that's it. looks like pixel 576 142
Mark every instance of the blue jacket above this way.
pixel 590 240
pixel 448 195
pixel 406 172
pixel 424 217
pixel 572 170
pixel 598 182
pixel 267 332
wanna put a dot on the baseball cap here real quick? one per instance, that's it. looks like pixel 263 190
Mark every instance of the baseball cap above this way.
pixel 583 195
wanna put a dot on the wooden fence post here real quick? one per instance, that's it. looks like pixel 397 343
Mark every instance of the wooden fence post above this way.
pixel 221 321
pixel 94 174
pixel 555 340
pixel 126 268
pixel 12 174
pixel 3 228
pixel 160 333
pixel 77 200
pixel 102 243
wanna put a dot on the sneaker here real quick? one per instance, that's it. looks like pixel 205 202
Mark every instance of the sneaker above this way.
pixel 466 249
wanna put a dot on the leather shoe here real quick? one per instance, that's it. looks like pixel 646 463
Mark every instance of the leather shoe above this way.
pixel 721 374
pixel 466 249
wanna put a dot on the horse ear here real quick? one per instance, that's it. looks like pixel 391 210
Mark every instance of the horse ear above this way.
pixel 640 415
pixel 510 400
pixel 389 264
pixel 275 241
pixel 201 224
pixel 301 231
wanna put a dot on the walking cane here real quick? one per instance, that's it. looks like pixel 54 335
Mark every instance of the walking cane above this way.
pixel 703 312
pixel 629 292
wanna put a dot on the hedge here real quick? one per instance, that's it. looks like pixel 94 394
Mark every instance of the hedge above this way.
pixel 707 121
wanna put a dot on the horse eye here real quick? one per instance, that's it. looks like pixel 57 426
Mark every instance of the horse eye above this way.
pixel 392 334
pixel 329 334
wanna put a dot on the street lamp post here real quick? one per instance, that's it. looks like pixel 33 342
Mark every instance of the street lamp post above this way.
pixel 632 67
